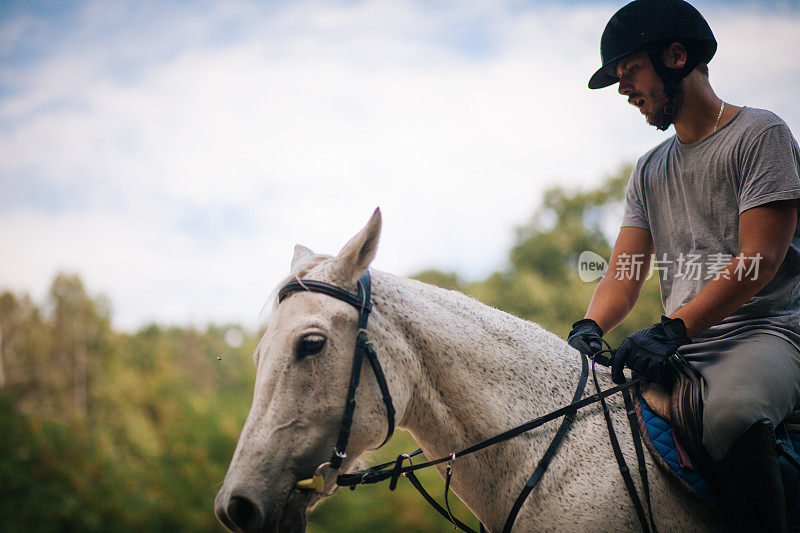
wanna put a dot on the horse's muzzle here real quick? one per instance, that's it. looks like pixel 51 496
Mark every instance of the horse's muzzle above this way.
pixel 239 512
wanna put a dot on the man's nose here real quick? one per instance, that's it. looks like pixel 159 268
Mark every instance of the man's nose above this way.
pixel 625 88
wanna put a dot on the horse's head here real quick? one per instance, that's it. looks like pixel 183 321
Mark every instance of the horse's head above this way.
pixel 303 367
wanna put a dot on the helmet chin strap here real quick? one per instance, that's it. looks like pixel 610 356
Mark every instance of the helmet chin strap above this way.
pixel 671 77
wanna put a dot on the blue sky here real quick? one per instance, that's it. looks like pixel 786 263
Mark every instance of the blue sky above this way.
pixel 172 153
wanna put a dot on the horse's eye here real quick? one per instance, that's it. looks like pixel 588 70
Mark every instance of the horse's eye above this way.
pixel 311 344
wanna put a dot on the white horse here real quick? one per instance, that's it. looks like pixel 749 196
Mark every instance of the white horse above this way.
pixel 459 372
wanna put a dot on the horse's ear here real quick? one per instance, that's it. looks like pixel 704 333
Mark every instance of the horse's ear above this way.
pixel 359 252
pixel 301 255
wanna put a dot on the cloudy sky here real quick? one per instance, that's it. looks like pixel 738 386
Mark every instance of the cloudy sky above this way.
pixel 172 153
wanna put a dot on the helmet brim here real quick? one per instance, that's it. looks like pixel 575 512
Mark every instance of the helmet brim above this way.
pixel 601 79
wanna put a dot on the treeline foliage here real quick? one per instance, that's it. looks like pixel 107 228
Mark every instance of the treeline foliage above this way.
pixel 106 431
pixel 109 431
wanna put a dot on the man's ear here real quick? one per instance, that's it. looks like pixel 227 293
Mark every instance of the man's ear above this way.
pixel 359 252
pixel 675 56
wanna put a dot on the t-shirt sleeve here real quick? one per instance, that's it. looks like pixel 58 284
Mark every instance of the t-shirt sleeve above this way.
pixel 635 213
pixel 770 169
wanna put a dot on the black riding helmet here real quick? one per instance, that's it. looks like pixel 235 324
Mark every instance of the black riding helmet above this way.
pixel 651 24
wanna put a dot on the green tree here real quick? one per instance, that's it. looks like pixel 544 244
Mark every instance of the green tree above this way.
pixel 23 345
pixel 146 442
pixel 79 339
pixel 445 280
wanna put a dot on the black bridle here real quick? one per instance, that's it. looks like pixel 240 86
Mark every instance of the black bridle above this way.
pixel 363 304
pixel 394 469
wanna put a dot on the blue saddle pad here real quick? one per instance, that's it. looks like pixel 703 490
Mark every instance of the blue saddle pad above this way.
pixel 660 440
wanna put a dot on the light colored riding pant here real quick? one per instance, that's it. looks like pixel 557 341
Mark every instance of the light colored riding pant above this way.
pixel 745 380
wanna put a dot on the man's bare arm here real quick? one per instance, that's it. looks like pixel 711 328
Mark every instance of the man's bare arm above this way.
pixel 614 298
pixel 764 231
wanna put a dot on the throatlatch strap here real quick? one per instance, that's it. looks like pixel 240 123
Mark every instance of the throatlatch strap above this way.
pixel 365 293
pixel 372 357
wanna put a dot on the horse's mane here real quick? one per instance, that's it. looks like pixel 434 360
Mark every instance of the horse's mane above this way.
pixel 467 308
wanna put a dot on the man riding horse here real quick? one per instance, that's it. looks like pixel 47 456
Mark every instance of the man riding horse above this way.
pixel 715 207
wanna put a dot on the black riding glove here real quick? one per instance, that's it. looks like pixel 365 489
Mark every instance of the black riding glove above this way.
pixel 646 351
pixel 586 337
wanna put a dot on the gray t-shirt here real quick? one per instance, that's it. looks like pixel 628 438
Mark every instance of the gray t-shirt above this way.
pixel 690 196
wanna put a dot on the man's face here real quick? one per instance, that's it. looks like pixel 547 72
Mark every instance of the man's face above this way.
pixel 639 82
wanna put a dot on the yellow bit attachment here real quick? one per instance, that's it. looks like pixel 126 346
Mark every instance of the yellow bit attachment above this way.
pixel 316 483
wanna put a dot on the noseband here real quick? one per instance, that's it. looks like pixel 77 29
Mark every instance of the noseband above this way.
pixel 362 303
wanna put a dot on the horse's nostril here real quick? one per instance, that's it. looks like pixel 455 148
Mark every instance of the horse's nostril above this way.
pixel 223 518
pixel 244 514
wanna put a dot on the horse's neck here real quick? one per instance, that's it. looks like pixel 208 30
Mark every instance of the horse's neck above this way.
pixel 482 371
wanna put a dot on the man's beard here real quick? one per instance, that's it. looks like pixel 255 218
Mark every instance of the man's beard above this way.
pixel 661 120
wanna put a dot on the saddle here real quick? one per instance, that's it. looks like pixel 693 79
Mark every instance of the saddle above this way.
pixel 671 425
pixel 681 406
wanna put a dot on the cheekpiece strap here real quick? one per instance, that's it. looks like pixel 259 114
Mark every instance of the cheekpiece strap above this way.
pixel 363 304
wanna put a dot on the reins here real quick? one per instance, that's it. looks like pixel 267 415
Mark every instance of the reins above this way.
pixel 379 472
pixel 637 442
pixel 392 470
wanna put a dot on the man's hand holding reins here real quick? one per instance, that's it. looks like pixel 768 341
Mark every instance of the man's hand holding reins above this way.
pixel 586 337
pixel 646 351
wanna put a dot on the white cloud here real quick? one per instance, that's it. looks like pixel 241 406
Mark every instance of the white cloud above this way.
pixel 201 142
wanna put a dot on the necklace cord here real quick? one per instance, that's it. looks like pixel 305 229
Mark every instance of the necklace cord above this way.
pixel 719 116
